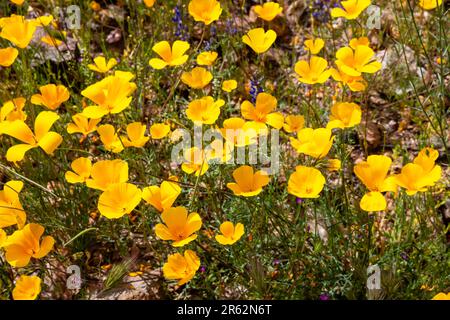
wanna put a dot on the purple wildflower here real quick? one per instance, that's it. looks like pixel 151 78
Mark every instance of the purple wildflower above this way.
pixel 182 29
pixel 324 297
pixel 320 9
pixel 255 89
pixel 231 29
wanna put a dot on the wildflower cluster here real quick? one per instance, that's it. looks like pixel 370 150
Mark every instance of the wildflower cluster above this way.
pixel 103 144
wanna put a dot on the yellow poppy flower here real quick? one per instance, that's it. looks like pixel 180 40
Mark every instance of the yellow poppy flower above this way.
pixel 268 11
pixel 3 237
pixel 159 130
pixel 314 45
pixel 441 295
pixel 312 71
pixel 229 85
pixel 259 40
pixel 426 159
pixel 313 142
pixel 179 226
pixel 170 56
pixel 24 244
pixel 135 135
pixel 415 179
pixel 18 2
pixel 261 113
pixel 11 210
pixel 100 65
pixel 110 138
pixel 118 200
pixel 195 161
pixel 373 201
pixel 306 182
pixel 362 41
pixel 354 83
pixel 344 115
pixel 358 61
pixel 42 21
pixel 181 267
pixel 8 56
pixel 162 197
pixel 206 11
pixel 112 95
pixel 206 58
pixel 18 30
pixel 149 3
pixel 52 41
pixel 81 171
pixel 13 110
pixel 204 110
pixel 425 287
pixel 198 78
pixel 106 267
pixel 239 132
pixel 230 233
pixel 107 172
pixel 373 174
pixel 135 274
pixel 82 125
pixel 293 123
pixel 351 9
pixel 52 96
pixel 248 184
pixel 333 164
pixel 11 19
pixel 27 287
pixel 42 136
pixel 94 5
pixel 429 4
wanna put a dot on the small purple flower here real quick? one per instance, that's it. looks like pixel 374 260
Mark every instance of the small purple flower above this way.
pixel 255 89
pixel 231 29
pixel 298 200
pixel 404 256
pixel 181 30
pixel 207 46
pixel 213 31
pixel 324 297
pixel 202 269
pixel 321 9
pixel 276 262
